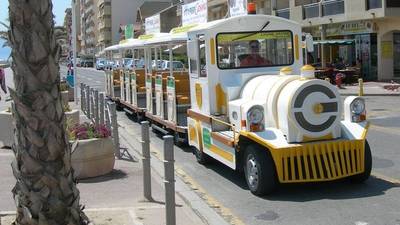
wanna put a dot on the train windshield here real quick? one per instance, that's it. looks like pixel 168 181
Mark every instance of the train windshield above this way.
pixel 254 49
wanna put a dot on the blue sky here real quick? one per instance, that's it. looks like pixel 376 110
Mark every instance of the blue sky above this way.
pixel 59 7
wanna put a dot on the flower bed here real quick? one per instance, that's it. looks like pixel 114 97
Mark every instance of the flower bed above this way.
pixel 93 150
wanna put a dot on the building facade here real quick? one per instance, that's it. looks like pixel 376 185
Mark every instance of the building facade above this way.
pixel 364 32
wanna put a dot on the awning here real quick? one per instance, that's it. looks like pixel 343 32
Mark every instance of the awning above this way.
pixel 335 42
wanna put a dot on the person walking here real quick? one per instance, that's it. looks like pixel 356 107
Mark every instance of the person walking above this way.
pixel 3 80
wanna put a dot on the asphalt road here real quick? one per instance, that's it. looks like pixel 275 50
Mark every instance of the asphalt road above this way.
pixel 375 202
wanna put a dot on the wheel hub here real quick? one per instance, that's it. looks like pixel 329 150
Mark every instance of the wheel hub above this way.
pixel 252 172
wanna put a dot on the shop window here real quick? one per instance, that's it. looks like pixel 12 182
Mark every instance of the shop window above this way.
pixel 392 3
pixel 374 4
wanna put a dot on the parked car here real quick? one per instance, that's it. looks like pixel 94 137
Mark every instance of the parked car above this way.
pixel 177 65
pixel 87 63
pixel 100 64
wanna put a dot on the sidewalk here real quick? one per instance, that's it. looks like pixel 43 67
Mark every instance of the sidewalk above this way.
pixel 371 89
pixel 116 198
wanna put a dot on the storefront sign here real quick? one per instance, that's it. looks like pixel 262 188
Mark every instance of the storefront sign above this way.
pixel 128 31
pixel 194 13
pixel 152 24
pixel 237 7
pixel 387 49
pixel 340 29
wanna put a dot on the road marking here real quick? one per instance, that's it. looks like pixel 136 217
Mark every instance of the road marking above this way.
pixel 361 223
pixel 89 78
pixel 386 178
pixel 384 129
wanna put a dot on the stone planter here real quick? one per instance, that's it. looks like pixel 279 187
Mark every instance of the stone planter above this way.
pixel 64 97
pixel 6 134
pixel 71 94
pixel 72 117
pixel 92 157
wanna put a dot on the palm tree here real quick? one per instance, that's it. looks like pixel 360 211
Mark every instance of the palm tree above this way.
pixel 45 191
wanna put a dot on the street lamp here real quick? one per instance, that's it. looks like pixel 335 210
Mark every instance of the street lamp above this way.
pixel 75 74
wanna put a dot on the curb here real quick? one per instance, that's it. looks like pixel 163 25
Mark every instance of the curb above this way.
pixel 184 188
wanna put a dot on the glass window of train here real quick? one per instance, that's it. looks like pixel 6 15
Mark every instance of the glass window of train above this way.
pixel 202 56
pixel 254 49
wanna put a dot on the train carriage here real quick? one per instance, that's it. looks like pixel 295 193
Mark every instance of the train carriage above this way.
pixel 254 106
pixel 264 112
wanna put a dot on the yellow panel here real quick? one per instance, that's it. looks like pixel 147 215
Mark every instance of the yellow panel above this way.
pixel 337 161
pixel 358 156
pixel 224 154
pixel 365 132
pixel 199 95
pixel 326 162
pixel 311 152
pixel 296 47
pixel 299 164
pixel 220 99
pixel 293 175
pixel 362 145
pixel 306 163
pixel 329 152
pixel 342 159
pixel 212 51
pixel 353 158
pixel 192 134
pixel 320 169
pixel 285 162
pixel 348 158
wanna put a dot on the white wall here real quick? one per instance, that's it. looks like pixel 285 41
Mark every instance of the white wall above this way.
pixel 385 33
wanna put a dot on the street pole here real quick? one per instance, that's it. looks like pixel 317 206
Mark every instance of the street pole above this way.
pixel 74 52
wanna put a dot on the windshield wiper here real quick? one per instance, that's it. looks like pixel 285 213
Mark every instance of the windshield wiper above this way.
pixel 251 34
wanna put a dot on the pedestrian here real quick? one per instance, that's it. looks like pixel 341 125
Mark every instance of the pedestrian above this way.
pixel 3 80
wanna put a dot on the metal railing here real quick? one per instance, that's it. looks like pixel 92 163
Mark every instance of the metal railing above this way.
pixel 99 111
pixel 332 7
pixel 311 10
pixel 284 13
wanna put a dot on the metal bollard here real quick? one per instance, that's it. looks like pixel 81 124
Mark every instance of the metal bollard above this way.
pixel 114 125
pixel 96 107
pixel 169 179
pixel 327 79
pixel 107 117
pixel 146 161
pixel 101 110
pixel 361 87
pixel 88 101
pixel 91 104
pixel 82 97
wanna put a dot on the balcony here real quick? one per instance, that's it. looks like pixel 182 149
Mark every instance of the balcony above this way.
pixel 284 13
pixel 104 36
pixel 311 10
pixel 332 7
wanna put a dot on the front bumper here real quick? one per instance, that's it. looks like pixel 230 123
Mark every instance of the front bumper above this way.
pixel 319 161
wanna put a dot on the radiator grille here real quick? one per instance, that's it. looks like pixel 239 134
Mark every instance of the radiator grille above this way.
pixel 319 161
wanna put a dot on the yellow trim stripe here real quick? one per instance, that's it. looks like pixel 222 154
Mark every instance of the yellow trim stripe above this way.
pixel 296 47
pixel 212 51
pixel 221 153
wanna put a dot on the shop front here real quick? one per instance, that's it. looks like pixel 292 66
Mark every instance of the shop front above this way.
pixel 350 45
pixel 389 49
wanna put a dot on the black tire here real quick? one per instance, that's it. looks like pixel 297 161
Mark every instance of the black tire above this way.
pixel 201 157
pixel 360 178
pixel 259 170
pixel 119 107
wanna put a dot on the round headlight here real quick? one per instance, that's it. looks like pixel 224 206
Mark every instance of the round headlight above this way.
pixel 357 106
pixel 255 115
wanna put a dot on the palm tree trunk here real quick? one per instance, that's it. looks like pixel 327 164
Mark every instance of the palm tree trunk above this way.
pixel 45 191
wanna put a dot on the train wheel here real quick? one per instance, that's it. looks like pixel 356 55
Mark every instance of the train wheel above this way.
pixel 359 178
pixel 259 170
pixel 201 157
